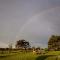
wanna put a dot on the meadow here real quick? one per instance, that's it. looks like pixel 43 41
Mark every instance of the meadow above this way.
pixel 50 55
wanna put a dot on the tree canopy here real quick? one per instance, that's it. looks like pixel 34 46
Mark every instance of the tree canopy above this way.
pixel 54 43
pixel 22 44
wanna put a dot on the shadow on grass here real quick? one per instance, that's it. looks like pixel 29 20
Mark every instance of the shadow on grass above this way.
pixel 43 57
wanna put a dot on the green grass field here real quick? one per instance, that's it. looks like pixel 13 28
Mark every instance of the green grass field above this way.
pixel 52 55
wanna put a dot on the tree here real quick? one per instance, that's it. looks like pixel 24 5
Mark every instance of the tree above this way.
pixel 46 49
pixel 22 44
pixel 54 43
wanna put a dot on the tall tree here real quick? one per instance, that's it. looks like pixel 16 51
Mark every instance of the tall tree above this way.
pixel 22 44
pixel 54 43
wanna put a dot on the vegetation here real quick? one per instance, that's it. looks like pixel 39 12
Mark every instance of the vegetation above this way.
pixel 23 51
pixel 51 55
pixel 22 44
pixel 54 43
pixel 19 56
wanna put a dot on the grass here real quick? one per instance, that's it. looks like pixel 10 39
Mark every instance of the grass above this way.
pixel 46 57
pixel 51 55
pixel 20 56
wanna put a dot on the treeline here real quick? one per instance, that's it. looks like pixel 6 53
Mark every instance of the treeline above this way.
pixel 23 45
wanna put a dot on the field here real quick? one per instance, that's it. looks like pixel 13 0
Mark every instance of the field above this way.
pixel 52 55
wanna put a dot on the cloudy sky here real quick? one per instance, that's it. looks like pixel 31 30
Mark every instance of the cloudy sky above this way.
pixel 32 20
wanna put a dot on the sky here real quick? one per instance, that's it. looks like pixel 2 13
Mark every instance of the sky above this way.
pixel 32 20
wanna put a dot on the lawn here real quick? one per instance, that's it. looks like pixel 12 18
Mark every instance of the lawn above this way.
pixel 19 56
pixel 52 55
